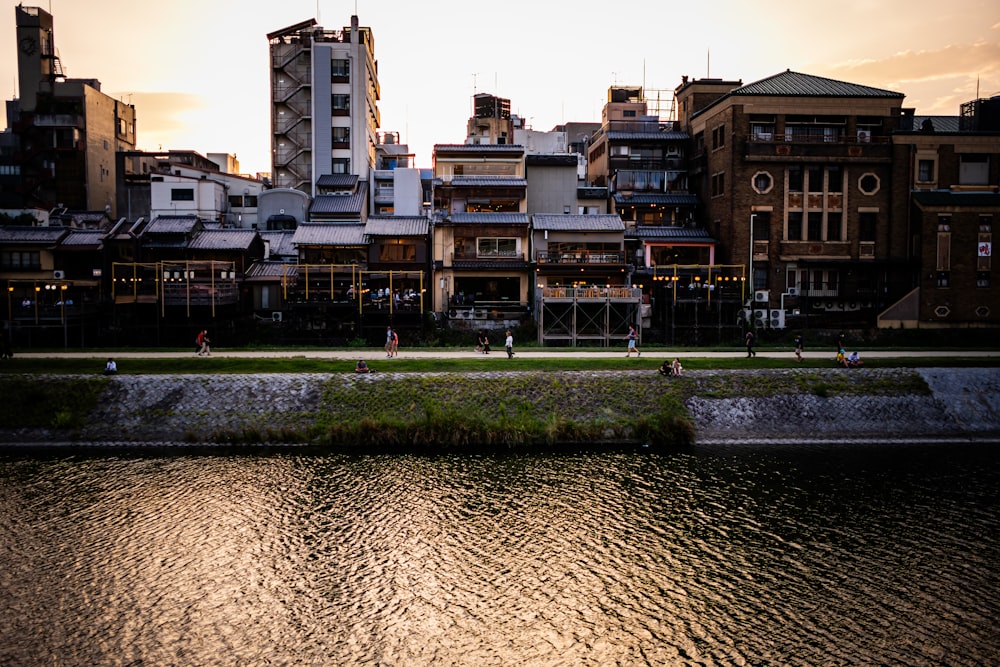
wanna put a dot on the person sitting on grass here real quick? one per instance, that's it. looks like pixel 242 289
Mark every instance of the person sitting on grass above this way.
pixel 677 368
pixel 854 360
pixel 111 368
pixel 362 367
pixel 666 368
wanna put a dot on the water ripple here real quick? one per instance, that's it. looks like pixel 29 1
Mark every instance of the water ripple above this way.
pixel 708 558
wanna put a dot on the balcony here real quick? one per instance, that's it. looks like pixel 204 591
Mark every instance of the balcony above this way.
pixel 497 260
pixel 783 146
pixel 580 257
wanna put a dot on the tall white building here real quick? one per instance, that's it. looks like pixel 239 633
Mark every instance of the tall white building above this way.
pixel 324 104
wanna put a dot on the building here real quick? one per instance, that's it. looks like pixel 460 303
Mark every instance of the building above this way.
pixel 66 131
pixel 804 166
pixel 324 104
pixel 947 199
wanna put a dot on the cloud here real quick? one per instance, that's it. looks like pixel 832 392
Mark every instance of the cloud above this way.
pixel 924 75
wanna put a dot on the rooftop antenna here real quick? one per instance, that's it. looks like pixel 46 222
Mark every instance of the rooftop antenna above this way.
pixel 708 64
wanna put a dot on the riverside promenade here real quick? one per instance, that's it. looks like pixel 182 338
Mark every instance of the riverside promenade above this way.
pixel 747 406
pixel 369 354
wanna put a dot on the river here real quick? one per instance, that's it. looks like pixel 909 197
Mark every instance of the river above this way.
pixel 846 555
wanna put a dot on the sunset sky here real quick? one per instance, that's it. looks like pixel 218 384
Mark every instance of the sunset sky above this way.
pixel 197 70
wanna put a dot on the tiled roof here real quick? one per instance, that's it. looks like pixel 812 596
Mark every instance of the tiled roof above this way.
pixel 346 204
pixel 663 199
pixel 85 239
pixel 590 192
pixel 668 233
pixel 669 135
pixel 340 181
pixel 937 198
pixel 223 239
pixel 280 242
pixel 32 235
pixel 317 234
pixel 578 223
pixel 795 84
pixel 397 226
pixel 488 218
pixel 489 181
pixel 171 224
pixel 270 271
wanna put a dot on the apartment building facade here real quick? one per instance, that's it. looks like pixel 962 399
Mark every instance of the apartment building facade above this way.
pixel 324 103
pixel 795 175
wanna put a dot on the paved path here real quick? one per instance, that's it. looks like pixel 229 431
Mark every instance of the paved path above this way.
pixel 370 354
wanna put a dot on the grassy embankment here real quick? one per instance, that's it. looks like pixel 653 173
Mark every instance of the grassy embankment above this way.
pixel 463 411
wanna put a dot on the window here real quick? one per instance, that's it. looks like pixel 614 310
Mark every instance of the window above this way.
pixel 834 179
pixel 340 165
pixel 794 226
pixel 628 113
pixel 340 68
pixel 834 226
pixel 761 225
pixel 719 137
pixel 762 182
pixel 814 175
pixel 974 169
pixel 20 259
pixel 243 201
pixel 182 194
pixel 815 226
pixel 795 179
pixel 925 171
pixel 943 257
pixel 341 135
pixel 496 247
pixel 868 222
pixel 718 184
pixel 340 102
pixel 869 184
pixel 397 251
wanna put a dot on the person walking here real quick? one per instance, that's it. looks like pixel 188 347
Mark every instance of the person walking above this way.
pixel 509 344
pixel 749 342
pixel 395 343
pixel 388 342
pixel 633 339
pixel 204 344
pixel 798 347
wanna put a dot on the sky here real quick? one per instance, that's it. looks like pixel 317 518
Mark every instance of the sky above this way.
pixel 197 71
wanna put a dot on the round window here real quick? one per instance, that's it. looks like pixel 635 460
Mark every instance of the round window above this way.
pixel 762 182
pixel 869 183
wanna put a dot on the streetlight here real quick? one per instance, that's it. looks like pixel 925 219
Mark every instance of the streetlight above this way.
pixel 62 305
pixel 750 264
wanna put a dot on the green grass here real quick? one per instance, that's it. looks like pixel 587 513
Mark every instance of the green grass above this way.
pixel 58 403
pixel 474 363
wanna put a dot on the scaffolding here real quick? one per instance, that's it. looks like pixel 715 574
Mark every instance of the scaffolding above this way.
pixel 576 315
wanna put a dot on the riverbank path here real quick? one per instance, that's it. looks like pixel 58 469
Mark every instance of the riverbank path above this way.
pixel 370 354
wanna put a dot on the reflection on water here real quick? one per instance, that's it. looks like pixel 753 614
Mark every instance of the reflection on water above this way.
pixel 862 555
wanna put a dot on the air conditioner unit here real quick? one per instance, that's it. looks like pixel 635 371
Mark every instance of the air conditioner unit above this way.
pixel 760 314
pixel 776 313
pixel 864 136
pixel 58 275
pixel 793 291
pixel 760 296
pixel 276 316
